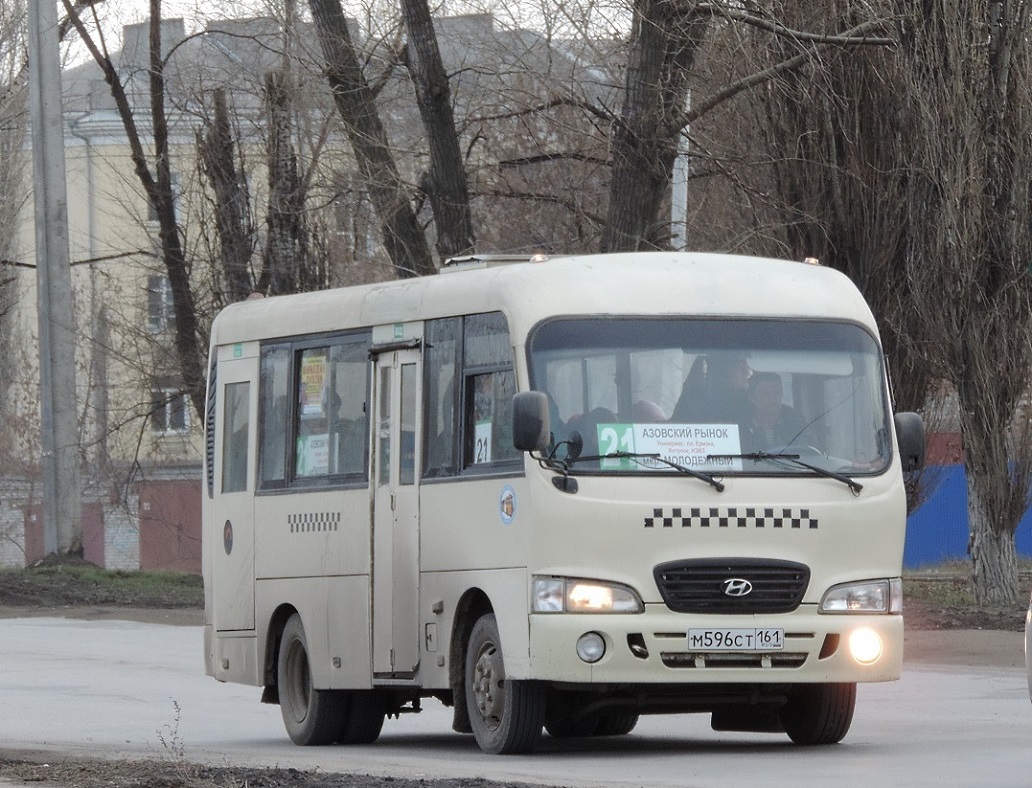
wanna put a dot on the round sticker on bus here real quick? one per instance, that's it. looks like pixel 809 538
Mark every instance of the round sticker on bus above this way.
pixel 507 504
pixel 227 537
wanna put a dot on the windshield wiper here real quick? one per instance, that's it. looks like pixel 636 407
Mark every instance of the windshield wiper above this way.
pixel 631 455
pixel 561 465
pixel 854 486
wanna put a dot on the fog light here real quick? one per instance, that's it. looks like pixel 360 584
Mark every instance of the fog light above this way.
pixel 591 647
pixel 865 645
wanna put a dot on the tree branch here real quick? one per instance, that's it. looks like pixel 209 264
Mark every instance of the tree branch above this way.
pixel 701 108
pixel 543 158
pixel 849 38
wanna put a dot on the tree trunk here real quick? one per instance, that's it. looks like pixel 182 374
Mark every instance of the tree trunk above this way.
pixel 997 476
pixel 664 41
pixel 189 348
pixel 286 241
pixel 445 183
pixel 993 555
pixel 216 150
pixel 402 236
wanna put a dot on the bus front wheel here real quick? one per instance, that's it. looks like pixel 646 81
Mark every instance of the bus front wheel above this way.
pixel 310 716
pixel 819 713
pixel 506 716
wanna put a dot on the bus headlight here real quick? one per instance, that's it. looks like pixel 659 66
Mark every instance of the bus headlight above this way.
pixel 574 595
pixel 871 596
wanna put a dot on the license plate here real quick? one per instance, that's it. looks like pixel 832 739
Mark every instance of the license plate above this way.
pixel 736 639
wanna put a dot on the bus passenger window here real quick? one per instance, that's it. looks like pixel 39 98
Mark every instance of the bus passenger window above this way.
pixel 313 412
pixel 383 432
pixel 348 425
pixel 314 403
pixel 489 418
pixel 235 424
pixel 273 417
pixel 407 464
pixel 441 371
pixel 468 386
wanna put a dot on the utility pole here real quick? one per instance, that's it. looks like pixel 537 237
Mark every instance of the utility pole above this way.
pixel 60 461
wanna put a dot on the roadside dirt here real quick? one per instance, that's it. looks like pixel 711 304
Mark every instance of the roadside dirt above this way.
pixel 941 628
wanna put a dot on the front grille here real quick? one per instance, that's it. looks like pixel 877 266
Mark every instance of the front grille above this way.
pixel 698 586
pixel 776 661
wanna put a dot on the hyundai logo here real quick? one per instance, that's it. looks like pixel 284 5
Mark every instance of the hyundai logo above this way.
pixel 736 586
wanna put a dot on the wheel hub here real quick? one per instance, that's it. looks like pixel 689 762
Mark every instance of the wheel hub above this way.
pixel 488 686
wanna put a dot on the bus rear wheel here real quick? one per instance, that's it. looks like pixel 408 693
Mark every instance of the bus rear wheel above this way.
pixel 615 724
pixel 506 716
pixel 311 716
pixel 363 720
pixel 572 727
pixel 819 713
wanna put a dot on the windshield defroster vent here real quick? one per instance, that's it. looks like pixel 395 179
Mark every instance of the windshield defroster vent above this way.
pixel 732 585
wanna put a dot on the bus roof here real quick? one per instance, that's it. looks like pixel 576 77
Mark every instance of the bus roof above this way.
pixel 641 283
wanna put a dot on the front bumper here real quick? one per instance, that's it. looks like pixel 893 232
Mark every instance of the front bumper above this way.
pixel 652 648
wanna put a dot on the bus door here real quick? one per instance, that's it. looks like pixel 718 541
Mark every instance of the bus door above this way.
pixel 233 503
pixel 395 570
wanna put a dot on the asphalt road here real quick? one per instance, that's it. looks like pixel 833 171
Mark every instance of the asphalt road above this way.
pixel 112 689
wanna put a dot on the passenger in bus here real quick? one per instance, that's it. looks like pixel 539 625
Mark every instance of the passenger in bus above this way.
pixel 647 412
pixel 556 425
pixel 772 425
pixel 715 391
pixel 692 391
pixel 586 425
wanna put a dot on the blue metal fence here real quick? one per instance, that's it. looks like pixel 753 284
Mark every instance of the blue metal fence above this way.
pixel 938 530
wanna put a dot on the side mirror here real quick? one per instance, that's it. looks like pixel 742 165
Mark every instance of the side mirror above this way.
pixel 530 427
pixel 910 435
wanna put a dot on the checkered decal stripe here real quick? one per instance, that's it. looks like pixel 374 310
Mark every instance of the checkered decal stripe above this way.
pixel 312 522
pixel 731 517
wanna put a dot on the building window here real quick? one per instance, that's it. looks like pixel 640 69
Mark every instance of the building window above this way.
pixel 160 311
pixel 152 210
pixel 170 411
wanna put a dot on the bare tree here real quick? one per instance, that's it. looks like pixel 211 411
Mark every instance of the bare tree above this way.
pixel 285 268
pixel 970 123
pixel 666 39
pixel 287 248
pixel 908 169
pixel 402 236
pixel 156 179
pixel 218 154
pixel 839 163
pixel 13 123
pixel 445 182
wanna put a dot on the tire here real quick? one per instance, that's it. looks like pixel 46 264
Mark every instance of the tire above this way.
pixel 506 716
pixel 615 724
pixel 572 727
pixel 363 720
pixel 819 713
pixel 311 716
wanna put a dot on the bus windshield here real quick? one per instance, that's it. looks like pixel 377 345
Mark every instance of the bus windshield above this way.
pixel 713 395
